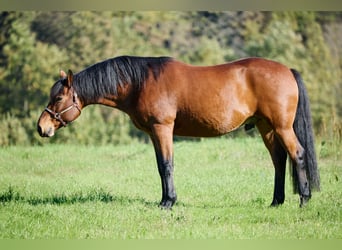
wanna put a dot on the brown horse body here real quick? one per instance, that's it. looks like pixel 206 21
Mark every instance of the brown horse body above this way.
pixel 185 100
pixel 212 101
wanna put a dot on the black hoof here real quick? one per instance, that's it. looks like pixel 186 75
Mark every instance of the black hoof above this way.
pixel 304 200
pixel 277 203
pixel 167 204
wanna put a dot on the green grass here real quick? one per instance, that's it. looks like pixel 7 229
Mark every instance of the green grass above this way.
pixel 224 189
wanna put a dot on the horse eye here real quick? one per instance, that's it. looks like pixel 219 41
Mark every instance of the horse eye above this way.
pixel 58 99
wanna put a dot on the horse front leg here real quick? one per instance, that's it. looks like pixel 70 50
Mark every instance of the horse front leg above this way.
pixel 162 138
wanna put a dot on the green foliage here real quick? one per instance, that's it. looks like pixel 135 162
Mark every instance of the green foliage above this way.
pixel 277 41
pixel 34 46
pixel 26 71
pixel 12 131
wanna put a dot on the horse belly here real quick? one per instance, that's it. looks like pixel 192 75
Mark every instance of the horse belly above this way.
pixel 189 124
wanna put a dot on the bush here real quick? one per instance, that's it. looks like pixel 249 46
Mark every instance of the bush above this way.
pixel 12 131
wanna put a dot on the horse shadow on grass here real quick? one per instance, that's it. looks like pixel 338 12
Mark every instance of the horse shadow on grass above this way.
pixel 101 195
pixel 95 195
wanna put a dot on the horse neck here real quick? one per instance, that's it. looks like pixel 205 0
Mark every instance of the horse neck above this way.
pixel 89 92
pixel 123 100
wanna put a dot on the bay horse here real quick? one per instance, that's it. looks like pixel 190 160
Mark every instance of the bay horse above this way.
pixel 165 97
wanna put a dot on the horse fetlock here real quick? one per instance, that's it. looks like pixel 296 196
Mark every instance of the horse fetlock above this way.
pixel 168 202
pixel 305 193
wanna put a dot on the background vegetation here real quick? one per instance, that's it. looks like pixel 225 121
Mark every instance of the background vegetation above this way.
pixel 34 46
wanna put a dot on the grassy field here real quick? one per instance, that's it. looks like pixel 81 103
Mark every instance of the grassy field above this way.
pixel 224 190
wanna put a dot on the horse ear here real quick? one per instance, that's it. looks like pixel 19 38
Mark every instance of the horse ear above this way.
pixel 70 78
pixel 62 74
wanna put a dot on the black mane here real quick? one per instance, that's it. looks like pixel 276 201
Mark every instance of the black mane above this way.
pixel 103 78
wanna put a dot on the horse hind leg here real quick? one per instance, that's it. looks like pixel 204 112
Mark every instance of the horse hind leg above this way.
pixel 278 155
pixel 296 153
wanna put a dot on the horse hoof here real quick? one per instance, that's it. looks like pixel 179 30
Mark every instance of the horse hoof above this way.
pixel 304 200
pixel 277 202
pixel 166 204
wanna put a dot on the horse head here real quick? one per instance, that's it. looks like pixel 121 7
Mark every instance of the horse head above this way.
pixel 63 108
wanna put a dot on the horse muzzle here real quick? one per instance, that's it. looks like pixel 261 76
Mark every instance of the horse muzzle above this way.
pixel 45 132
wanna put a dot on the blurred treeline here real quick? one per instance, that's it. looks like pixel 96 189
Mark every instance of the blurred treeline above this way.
pixel 34 46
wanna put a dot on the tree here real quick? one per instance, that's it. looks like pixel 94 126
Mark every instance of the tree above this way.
pixel 27 66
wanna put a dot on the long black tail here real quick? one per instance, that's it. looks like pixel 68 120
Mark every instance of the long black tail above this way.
pixel 304 132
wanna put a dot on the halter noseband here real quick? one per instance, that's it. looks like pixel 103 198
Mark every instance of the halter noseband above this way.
pixel 57 115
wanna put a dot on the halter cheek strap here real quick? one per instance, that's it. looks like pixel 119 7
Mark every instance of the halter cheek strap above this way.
pixel 57 115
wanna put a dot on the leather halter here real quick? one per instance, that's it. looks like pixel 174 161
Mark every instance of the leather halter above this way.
pixel 58 115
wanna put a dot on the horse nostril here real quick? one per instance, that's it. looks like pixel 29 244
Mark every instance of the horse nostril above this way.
pixel 47 132
pixel 39 129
